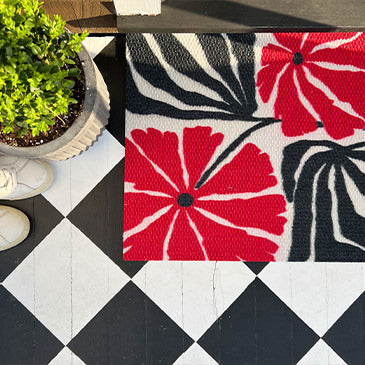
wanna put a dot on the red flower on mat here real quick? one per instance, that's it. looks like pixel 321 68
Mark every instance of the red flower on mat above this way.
pixel 165 217
pixel 315 77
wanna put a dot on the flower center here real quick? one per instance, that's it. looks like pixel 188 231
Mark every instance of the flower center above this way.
pixel 297 58
pixel 185 200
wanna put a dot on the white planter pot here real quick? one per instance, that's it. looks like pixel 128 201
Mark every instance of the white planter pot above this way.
pixel 85 129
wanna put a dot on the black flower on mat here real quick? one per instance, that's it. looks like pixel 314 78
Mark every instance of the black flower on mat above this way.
pixel 326 183
pixel 193 76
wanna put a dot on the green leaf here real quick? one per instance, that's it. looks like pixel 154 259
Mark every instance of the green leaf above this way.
pixel 69 61
pixel 29 23
pixel 36 50
pixel 9 69
pixel 65 36
pixel 9 51
pixel 11 2
pixel 67 83
pixel 74 72
pixel 18 18
pixel 22 132
pixel 73 101
pixel 71 84
pixel 8 129
pixel 22 124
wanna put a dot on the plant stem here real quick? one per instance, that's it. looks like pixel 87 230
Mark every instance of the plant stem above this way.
pixel 55 115
pixel 233 146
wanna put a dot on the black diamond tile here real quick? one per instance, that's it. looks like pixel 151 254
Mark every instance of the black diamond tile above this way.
pixel 111 63
pixel 104 226
pixel 43 216
pixel 256 267
pixel 258 328
pixel 23 339
pixel 347 335
pixel 131 330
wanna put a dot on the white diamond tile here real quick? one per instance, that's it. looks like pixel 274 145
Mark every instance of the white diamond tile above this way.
pixel 95 45
pixel 321 354
pixel 319 293
pixel 66 357
pixel 76 177
pixel 195 355
pixel 65 281
pixel 194 294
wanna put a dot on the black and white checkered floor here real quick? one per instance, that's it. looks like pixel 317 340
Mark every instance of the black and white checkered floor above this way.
pixel 67 297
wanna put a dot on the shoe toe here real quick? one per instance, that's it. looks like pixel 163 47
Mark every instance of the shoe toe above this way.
pixel 14 227
pixel 33 174
pixel 33 177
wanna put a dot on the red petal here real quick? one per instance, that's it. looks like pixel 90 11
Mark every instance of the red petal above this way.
pixel 148 244
pixel 184 244
pixel 249 171
pixel 228 244
pixel 261 212
pixel 341 84
pixel 273 59
pixel 138 206
pixel 199 146
pixel 314 39
pixel 296 120
pixel 140 172
pixel 162 149
pixel 351 53
pixel 337 123
pixel 291 41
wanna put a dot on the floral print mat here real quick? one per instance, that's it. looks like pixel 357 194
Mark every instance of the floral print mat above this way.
pixel 245 147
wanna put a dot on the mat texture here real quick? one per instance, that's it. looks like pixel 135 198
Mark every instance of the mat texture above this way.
pixel 245 147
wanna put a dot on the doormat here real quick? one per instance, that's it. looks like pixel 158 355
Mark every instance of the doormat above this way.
pixel 245 147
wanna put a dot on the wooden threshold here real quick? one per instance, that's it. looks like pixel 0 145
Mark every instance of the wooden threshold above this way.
pixel 95 16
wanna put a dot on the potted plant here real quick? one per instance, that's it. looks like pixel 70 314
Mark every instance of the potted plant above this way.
pixel 53 100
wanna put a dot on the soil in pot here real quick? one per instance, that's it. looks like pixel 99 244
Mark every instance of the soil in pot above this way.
pixel 61 123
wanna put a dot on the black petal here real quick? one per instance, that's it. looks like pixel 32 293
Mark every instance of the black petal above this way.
pixel 242 45
pixel 352 225
pixel 359 155
pixel 324 242
pixel 218 57
pixel 303 214
pixel 356 175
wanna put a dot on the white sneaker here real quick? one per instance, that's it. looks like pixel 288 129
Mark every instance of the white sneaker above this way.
pixel 21 178
pixel 14 227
